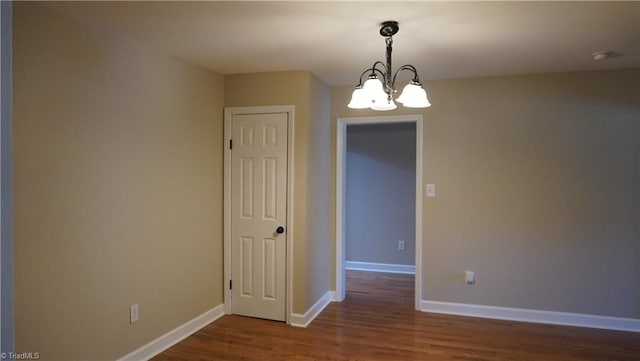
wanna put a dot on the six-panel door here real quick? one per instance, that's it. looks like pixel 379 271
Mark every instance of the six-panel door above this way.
pixel 258 208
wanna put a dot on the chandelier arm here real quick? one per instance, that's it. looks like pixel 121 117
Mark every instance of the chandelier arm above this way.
pixel 373 70
pixel 410 67
pixel 361 75
pixel 381 65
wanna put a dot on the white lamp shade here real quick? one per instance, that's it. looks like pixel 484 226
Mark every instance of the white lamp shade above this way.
pixel 373 88
pixel 414 96
pixel 384 104
pixel 359 99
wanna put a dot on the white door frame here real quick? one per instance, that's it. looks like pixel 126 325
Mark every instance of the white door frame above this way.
pixel 228 116
pixel 7 322
pixel 341 151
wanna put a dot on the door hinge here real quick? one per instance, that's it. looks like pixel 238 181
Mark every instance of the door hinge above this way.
pixel 230 284
pixel 230 143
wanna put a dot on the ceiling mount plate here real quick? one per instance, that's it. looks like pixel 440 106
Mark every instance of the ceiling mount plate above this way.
pixel 389 28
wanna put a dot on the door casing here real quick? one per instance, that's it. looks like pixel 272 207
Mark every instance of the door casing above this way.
pixel 341 149
pixel 229 112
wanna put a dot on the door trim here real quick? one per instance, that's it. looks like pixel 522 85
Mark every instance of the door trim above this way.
pixel 229 112
pixel 341 149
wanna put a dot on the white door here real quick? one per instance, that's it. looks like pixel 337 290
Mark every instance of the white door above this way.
pixel 258 215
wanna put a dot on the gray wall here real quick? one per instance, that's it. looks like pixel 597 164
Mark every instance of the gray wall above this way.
pixel 538 190
pixel 380 193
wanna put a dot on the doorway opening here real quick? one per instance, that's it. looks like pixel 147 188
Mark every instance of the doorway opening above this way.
pixel 394 239
pixel 380 212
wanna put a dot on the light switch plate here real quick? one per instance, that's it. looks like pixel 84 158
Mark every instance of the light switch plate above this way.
pixel 133 313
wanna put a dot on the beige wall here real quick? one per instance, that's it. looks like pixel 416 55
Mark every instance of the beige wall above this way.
pixel 538 190
pixel 118 189
pixel 319 256
pixel 311 126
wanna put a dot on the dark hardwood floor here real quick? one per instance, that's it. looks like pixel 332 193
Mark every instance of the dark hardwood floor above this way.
pixel 377 322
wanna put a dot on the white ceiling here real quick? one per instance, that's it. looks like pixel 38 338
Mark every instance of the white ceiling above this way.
pixel 338 40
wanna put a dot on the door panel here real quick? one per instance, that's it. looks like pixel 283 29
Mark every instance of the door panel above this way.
pixel 246 266
pixel 258 208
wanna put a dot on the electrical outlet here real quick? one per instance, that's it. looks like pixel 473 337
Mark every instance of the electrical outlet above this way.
pixel 469 277
pixel 133 313
pixel 402 245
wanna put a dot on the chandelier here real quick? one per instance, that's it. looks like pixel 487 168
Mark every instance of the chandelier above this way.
pixel 378 90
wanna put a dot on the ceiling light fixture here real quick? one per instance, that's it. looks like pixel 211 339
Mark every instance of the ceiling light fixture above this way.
pixel 601 55
pixel 378 90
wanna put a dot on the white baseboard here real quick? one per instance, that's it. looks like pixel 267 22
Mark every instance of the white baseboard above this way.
pixel 527 315
pixel 298 320
pixel 380 267
pixel 174 336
